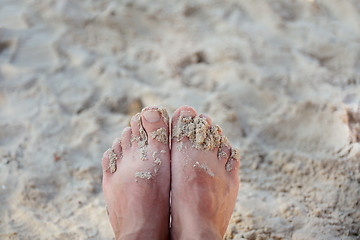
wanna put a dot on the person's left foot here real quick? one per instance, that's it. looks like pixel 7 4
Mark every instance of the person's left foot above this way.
pixel 204 177
pixel 136 180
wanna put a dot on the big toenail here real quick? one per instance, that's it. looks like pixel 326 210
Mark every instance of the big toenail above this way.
pixel 151 116
pixel 186 113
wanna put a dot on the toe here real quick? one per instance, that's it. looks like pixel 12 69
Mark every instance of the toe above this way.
pixel 109 160
pixel 224 153
pixel 184 111
pixel 224 150
pixel 116 147
pixel 105 161
pixel 155 122
pixel 126 139
pixel 138 134
pixel 208 119
pixel 233 163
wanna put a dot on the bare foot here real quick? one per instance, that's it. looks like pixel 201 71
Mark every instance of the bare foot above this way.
pixel 205 182
pixel 136 180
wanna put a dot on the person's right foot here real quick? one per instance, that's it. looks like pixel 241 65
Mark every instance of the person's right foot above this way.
pixel 205 181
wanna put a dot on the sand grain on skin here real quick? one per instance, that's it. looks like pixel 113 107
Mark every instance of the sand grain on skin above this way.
pixel 204 167
pixel 142 139
pixel 112 160
pixel 157 160
pixel 160 135
pixel 143 175
pixel 204 137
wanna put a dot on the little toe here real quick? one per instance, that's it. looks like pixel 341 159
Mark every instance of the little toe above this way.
pixel 126 139
pixel 155 122
pixel 109 161
pixel 233 163
pixel 105 161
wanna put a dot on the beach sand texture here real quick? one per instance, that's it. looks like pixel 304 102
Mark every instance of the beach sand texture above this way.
pixel 281 78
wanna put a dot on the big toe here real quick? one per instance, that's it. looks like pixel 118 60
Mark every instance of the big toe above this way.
pixel 184 111
pixel 155 121
pixel 178 116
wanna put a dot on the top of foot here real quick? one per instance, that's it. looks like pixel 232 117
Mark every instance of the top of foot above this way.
pixel 136 180
pixel 204 177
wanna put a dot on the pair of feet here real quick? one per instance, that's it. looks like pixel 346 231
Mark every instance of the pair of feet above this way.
pixel 200 170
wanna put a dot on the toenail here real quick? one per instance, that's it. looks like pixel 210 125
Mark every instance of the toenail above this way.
pixel 186 113
pixel 151 116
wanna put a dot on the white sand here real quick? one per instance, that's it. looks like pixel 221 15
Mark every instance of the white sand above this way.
pixel 282 78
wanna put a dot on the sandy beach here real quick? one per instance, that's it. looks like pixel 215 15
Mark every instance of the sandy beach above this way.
pixel 282 79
